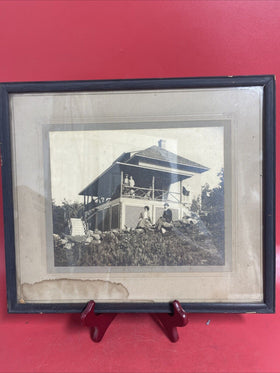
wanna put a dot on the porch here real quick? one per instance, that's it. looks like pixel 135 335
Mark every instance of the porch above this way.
pixel 124 212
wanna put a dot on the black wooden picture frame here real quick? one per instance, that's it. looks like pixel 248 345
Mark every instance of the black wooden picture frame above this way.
pixel 266 82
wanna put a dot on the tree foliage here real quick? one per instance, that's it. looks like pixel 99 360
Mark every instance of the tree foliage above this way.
pixel 62 214
pixel 211 200
pixel 72 210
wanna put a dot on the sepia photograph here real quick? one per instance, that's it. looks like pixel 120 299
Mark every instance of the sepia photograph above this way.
pixel 144 197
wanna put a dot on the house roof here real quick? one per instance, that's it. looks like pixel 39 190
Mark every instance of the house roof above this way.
pixel 161 154
pixel 155 156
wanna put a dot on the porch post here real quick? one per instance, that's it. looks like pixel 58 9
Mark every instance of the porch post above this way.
pixel 121 183
pixel 153 188
pixel 181 199
pixel 181 190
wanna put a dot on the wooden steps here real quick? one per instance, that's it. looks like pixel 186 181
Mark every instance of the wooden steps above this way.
pixel 77 227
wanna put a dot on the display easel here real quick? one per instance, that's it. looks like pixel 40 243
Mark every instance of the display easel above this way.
pixel 99 322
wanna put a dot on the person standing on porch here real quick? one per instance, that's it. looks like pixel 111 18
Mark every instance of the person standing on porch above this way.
pixel 126 184
pixel 132 184
pixel 126 180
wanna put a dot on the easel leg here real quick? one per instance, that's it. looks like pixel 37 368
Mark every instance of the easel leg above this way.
pixel 169 322
pixel 98 323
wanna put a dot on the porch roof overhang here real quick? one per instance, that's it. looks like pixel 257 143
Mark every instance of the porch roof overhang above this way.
pixel 103 185
pixel 106 184
pixel 155 169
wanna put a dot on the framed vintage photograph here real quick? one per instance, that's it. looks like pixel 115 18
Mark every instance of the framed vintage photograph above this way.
pixel 134 193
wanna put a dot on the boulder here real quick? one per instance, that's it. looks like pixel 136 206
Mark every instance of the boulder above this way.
pixel 109 235
pixel 88 240
pixel 96 236
pixel 77 239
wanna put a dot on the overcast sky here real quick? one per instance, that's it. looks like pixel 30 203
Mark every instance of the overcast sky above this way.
pixel 78 157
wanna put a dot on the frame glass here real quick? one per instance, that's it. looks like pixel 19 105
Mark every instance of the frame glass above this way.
pixel 135 193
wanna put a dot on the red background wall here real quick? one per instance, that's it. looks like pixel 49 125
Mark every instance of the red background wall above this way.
pixel 68 40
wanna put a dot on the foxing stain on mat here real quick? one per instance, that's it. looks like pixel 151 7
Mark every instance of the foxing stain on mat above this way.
pixel 69 289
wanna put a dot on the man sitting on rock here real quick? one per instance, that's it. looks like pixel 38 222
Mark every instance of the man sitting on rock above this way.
pixel 164 223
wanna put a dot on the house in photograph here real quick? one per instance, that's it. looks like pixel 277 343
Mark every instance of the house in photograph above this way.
pixel 148 177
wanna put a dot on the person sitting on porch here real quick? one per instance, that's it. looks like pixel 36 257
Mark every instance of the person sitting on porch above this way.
pixel 164 223
pixel 145 219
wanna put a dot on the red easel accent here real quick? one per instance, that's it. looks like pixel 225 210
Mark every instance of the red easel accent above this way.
pixel 169 322
pixel 98 323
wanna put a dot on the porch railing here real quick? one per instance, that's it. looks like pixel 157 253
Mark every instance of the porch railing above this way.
pixel 150 194
pixel 136 193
